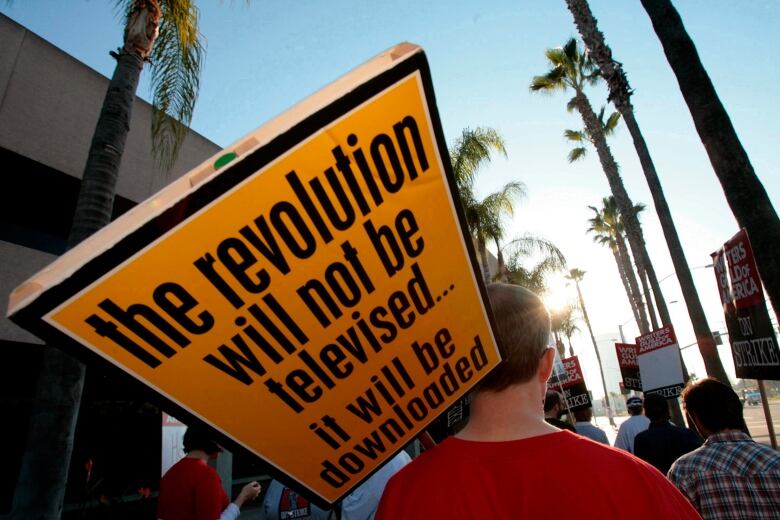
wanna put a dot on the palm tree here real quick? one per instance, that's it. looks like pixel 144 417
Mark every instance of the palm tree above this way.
pixel 549 260
pixel 608 231
pixel 485 217
pixel 564 323
pixel 572 69
pixel 620 95
pixel 569 327
pixel 576 275
pixel 164 34
pixel 556 327
pixel 580 138
pixel 744 192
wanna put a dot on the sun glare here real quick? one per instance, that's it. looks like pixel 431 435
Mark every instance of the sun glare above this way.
pixel 558 294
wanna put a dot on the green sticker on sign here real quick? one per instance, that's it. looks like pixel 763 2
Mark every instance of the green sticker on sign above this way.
pixel 222 161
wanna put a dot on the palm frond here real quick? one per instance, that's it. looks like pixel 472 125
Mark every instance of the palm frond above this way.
pixel 611 124
pixel 533 277
pixel 550 82
pixel 502 201
pixel 557 57
pixel 176 61
pixel 571 106
pixel 639 208
pixel 575 154
pixel 527 245
pixel 600 115
pixel 571 51
pixel 472 150
pixel 574 135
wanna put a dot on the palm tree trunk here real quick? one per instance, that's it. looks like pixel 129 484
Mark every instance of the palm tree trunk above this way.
pixel 501 270
pixel 483 257
pixel 595 348
pixel 610 168
pixel 98 184
pixel 40 488
pixel 627 287
pixel 625 260
pixel 744 192
pixel 660 303
pixel 649 302
pixel 559 344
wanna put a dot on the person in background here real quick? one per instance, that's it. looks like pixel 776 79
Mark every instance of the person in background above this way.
pixel 282 502
pixel 730 476
pixel 553 409
pixel 663 442
pixel 585 428
pixel 361 504
pixel 634 424
pixel 192 490
pixel 502 463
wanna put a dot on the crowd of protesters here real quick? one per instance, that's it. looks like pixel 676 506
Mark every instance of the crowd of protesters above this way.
pixel 517 458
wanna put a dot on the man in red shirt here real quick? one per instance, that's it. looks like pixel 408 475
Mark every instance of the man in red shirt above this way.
pixel 502 463
pixel 192 490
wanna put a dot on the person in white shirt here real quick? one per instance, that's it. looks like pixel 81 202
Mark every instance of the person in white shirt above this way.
pixel 361 504
pixel 631 426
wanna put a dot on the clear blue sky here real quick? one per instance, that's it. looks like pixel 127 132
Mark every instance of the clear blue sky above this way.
pixel 264 58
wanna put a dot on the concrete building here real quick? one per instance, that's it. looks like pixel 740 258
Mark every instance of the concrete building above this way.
pixel 49 105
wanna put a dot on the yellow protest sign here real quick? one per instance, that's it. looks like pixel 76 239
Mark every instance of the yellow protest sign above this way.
pixel 314 300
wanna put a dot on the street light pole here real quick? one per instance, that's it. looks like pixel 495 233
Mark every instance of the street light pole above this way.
pixel 595 347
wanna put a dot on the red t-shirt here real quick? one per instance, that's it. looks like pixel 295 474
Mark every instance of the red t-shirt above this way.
pixel 558 475
pixel 191 490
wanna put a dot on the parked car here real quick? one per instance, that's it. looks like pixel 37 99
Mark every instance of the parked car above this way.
pixel 752 398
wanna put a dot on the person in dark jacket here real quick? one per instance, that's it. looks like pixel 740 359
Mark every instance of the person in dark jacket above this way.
pixel 663 442
pixel 553 409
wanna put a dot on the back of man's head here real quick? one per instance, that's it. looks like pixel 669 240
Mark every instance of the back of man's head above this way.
pixel 583 414
pixel 656 408
pixel 715 405
pixel 523 327
pixel 634 405
pixel 551 400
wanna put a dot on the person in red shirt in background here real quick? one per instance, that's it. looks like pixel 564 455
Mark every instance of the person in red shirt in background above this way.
pixel 502 464
pixel 192 490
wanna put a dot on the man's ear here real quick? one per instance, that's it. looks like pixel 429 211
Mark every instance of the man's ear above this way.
pixel 546 364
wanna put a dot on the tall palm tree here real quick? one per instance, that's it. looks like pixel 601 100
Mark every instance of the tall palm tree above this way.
pixel 163 34
pixel 576 275
pixel 744 192
pixel 580 138
pixel 607 229
pixel 485 217
pixel 573 69
pixel 620 95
